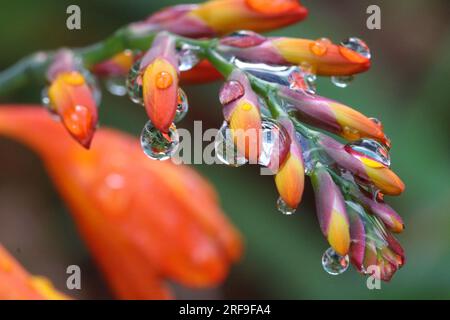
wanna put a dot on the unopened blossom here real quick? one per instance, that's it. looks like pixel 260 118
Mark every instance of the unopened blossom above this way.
pixel 330 207
pixel 144 221
pixel 374 250
pixel 332 116
pixel 370 172
pixel 17 284
pixel 321 56
pixel 290 178
pixel 241 110
pixel 160 81
pixel 215 17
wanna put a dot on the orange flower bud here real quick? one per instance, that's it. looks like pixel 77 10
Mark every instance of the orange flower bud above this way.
pixel 72 99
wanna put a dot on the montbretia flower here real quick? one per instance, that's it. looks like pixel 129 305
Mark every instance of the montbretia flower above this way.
pixel 374 250
pixel 72 100
pixel 330 207
pixel 367 170
pixel 17 284
pixel 241 111
pixel 332 116
pixel 321 56
pixel 290 178
pixel 217 17
pixel 144 221
pixel 160 82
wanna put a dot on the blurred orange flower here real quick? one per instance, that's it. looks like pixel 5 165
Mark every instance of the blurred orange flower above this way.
pixel 144 221
pixel 17 284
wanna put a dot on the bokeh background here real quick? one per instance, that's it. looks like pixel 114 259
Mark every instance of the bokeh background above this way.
pixel 407 89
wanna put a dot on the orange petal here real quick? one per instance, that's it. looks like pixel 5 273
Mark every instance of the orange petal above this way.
pixel 144 221
pixel 17 284
pixel 72 100
pixel 160 89
pixel 245 124
pixel 385 179
pixel 324 57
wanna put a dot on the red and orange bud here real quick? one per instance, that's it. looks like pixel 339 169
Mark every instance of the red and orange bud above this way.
pixel 72 99
pixel 17 284
pixel 321 56
pixel 330 207
pixel 144 221
pixel 368 171
pixel 160 82
pixel 332 116
pixel 290 178
pixel 241 110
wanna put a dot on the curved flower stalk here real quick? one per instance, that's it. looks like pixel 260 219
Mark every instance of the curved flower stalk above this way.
pixel 17 284
pixel 144 221
pixel 270 88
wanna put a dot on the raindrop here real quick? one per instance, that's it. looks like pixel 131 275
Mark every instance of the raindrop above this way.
pixel 231 91
pixel 48 106
pixel 159 145
pixel 225 148
pixel 116 86
pixel 320 46
pixel 333 263
pixel 274 139
pixel 369 151
pixel 342 81
pixel 284 208
pixel 134 83
pixel 182 106
pixel 357 45
pixel 187 58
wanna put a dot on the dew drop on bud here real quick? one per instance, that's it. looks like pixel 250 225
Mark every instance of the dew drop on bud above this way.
pixel 274 143
pixel 163 80
pixel 320 46
pixel 48 106
pixel 134 83
pixel 333 263
pixel 284 208
pixel 116 86
pixel 225 148
pixel 358 46
pixel 231 91
pixel 182 106
pixel 158 145
pixel 342 81
pixel 187 58
pixel 369 151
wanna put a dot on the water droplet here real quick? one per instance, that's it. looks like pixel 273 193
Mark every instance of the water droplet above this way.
pixel 163 80
pixel 369 151
pixel 187 58
pixel 158 145
pixel 230 91
pixel 284 208
pixel 299 79
pixel 358 46
pixel 48 106
pixel 182 106
pixel 134 83
pixel 342 81
pixel 333 263
pixel 274 143
pixel 320 46
pixel 225 148
pixel 116 86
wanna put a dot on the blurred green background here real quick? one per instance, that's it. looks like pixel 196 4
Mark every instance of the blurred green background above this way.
pixel 407 89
